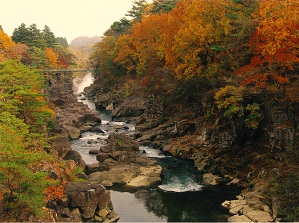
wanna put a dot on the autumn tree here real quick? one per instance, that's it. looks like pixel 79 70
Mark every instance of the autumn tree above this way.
pixel 144 45
pixel 274 45
pixel 20 52
pixel 51 57
pixel 24 187
pixel 5 44
pixel 103 57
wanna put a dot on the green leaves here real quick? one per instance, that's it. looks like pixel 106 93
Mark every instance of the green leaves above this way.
pixel 20 94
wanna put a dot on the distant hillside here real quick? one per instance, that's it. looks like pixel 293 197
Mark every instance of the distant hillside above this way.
pixel 81 47
pixel 85 42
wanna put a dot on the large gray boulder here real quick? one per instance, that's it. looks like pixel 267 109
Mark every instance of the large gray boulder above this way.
pixel 132 107
pixel 91 200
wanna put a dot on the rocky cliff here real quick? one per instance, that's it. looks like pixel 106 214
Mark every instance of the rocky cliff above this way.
pixel 222 149
pixel 82 200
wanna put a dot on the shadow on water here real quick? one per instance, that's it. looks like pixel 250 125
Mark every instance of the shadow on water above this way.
pixel 180 197
pixel 158 205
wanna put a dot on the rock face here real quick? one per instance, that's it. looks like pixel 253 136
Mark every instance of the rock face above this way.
pixel 217 146
pixel 75 117
pixel 131 107
pixel 82 201
pixel 120 162
pixel 85 202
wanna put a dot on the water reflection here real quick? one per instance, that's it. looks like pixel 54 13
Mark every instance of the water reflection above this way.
pixel 156 205
pixel 180 197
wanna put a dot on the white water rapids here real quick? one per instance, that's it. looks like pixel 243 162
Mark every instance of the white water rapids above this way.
pixel 180 197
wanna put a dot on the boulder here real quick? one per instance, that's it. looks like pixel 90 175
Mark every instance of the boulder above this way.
pixel 259 216
pixel 88 198
pixel 124 156
pixel 132 107
pixel 94 151
pixel 131 175
pixel 122 142
pixel 239 218
pixel 96 129
pixel 101 157
pixel 72 132
pixel 120 174
pixel 95 167
pixel 106 149
pixel 74 155
pixel 148 176
pixel 211 179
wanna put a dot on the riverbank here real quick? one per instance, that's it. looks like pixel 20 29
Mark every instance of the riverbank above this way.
pixel 180 180
pixel 213 145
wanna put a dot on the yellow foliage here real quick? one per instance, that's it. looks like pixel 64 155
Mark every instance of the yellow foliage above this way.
pixel 52 58
pixel 230 98
pixel 5 44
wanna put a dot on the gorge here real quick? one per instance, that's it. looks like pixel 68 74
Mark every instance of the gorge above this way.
pixel 181 196
pixel 199 183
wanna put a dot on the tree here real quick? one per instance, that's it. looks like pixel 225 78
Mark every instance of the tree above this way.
pixel 62 41
pixel 19 52
pixel 118 28
pixel 48 37
pixel 64 57
pixel 163 6
pixel 38 57
pixel 21 35
pixel 138 10
pixel 103 57
pixel 20 94
pixel 24 187
pixel 5 44
pixel 274 45
pixel 52 58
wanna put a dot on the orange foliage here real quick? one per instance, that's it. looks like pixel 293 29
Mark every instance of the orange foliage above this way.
pixel 202 24
pixel 274 43
pixel 5 44
pixel 19 51
pixel 55 192
pixel 51 57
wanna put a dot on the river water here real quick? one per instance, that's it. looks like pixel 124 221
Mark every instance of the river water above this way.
pixel 180 197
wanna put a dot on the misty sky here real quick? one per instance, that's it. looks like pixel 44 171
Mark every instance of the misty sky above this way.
pixel 66 18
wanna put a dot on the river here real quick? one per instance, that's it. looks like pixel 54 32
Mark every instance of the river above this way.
pixel 180 197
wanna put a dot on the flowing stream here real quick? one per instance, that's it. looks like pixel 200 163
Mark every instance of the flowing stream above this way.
pixel 181 195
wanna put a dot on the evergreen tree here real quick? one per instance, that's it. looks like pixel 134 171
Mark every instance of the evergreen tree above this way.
pixel 138 10
pixel 49 37
pixel 118 28
pixel 21 35
pixel 62 41
pixel 163 6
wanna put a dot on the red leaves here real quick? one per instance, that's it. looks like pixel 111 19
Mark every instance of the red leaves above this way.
pixel 274 44
pixel 281 80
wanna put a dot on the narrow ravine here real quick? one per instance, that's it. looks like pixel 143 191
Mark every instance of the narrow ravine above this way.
pixel 181 195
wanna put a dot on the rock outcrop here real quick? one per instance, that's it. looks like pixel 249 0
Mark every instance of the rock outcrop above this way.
pixel 85 202
pixel 82 201
pixel 120 162
pixel 220 147
pixel 75 117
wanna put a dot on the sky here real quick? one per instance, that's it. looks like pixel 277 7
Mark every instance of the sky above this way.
pixel 66 18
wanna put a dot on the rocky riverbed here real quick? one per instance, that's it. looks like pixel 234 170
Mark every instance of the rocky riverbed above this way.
pixel 211 147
